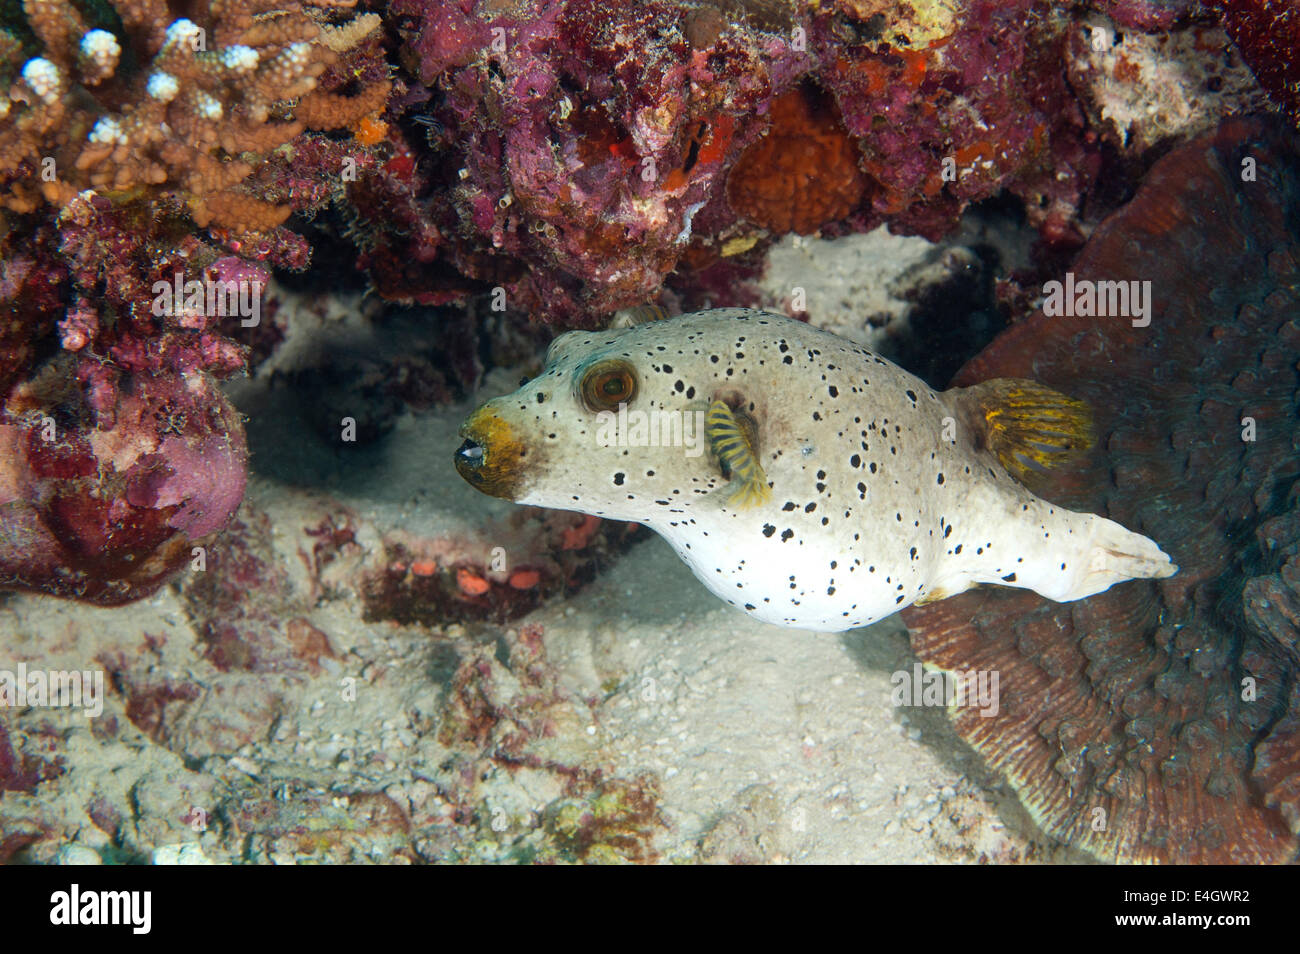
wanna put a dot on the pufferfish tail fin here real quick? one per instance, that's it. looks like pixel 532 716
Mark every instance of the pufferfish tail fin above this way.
pixel 1028 426
pixel 1119 554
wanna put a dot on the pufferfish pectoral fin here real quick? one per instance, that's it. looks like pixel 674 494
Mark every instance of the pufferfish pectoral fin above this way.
pixel 733 439
pixel 1028 426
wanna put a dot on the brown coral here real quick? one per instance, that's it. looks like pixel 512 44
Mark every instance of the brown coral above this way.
pixel 322 110
pixel 216 96
pixel 804 173
pixel 1158 721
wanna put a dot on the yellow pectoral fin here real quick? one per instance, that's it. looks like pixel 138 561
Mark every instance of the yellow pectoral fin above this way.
pixel 749 493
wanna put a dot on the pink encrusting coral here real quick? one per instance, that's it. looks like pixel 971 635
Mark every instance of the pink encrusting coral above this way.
pixel 105 499
pixel 586 142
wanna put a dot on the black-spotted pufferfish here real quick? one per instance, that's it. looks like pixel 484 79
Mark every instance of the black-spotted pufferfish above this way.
pixel 803 478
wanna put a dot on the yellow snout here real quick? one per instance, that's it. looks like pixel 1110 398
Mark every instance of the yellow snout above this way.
pixel 492 456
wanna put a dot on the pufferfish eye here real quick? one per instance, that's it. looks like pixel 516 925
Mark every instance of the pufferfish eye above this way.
pixel 607 385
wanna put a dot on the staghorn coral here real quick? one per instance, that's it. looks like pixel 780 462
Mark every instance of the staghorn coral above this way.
pixel 191 107
pixel 1157 722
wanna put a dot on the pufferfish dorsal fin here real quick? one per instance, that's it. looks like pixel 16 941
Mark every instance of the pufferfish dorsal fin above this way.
pixel 1029 427
pixel 638 315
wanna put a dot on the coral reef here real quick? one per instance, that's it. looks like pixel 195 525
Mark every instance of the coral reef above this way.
pixel 493 166
pixel 531 160
pixel 249 719
pixel 1142 90
pixel 591 156
pixel 1157 722
pixel 123 127
pixel 584 144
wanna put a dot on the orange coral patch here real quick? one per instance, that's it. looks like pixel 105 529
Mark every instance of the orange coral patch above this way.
pixel 525 579
pixel 369 131
pixel 1126 71
pixel 674 180
pixel 804 174
pixel 715 147
pixel 877 74
pixel 470 583
pixel 982 149
pixel 579 536
pixel 914 65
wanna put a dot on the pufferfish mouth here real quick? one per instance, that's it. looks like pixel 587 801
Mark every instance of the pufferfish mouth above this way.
pixel 492 456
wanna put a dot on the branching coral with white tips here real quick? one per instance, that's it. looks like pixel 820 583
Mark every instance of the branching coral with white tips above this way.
pixel 204 99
